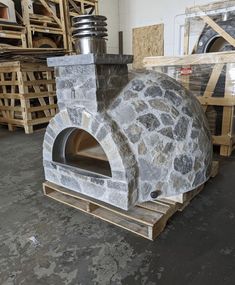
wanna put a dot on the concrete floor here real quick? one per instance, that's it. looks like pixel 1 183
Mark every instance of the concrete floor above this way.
pixel 43 242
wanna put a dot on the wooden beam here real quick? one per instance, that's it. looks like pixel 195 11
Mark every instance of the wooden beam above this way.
pixel 210 87
pixel 214 6
pixel 193 59
pixel 219 30
pixel 216 101
pixel 228 112
pixel 75 7
pixel 44 3
pixel 186 36
pixel 223 140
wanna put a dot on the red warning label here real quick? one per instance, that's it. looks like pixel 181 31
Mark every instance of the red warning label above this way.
pixel 186 71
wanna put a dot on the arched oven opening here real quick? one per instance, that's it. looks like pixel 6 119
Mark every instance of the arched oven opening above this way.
pixel 77 148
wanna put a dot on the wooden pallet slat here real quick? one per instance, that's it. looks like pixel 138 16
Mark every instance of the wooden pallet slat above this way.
pixel 16 33
pixel 147 223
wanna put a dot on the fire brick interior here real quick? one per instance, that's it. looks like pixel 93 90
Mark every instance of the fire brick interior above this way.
pixel 79 149
pixel 43 242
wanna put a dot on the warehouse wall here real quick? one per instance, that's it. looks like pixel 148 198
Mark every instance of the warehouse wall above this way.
pixel 110 9
pixel 137 13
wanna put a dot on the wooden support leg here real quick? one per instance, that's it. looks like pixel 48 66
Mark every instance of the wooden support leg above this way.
pixel 63 25
pixel 228 112
pixel 24 102
pixel 26 116
pixel 96 8
pixel 186 37
pixel 23 41
pixel 50 89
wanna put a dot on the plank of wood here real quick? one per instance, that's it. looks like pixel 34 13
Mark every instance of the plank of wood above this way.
pixel 75 7
pixel 211 84
pixel 156 206
pixel 138 214
pixel 147 219
pixel 37 89
pixel 147 41
pixel 193 59
pixel 211 7
pixel 101 213
pixel 186 36
pixel 51 90
pixel 219 30
pixel 214 77
pixel 216 101
pixel 52 13
pixel 228 112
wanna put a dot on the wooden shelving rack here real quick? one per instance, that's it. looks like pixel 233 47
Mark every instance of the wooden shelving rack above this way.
pixel 44 21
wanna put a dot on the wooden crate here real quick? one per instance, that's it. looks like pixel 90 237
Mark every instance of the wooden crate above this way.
pixel 27 94
pixel 222 62
pixel 74 8
pixel 147 219
pixel 13 35
pixel 44 23
pixel 198 16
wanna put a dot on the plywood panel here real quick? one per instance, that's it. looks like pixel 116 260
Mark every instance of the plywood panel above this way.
pixel 147 41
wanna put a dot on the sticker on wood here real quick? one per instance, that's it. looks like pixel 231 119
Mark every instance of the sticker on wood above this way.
pixel 147 41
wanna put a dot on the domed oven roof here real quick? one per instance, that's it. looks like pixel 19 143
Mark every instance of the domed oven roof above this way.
pixel 153 137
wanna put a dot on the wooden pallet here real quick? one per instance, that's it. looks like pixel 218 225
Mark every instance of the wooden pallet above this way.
pixel 27 94
pixel 74 8
pixel 14 34
pixel 147 219
pixel 42 22
pixel 216 64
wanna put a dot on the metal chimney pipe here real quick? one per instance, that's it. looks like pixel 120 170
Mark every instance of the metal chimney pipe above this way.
pixel 90 34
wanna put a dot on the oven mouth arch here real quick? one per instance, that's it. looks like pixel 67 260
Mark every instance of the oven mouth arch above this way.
pixel 77 148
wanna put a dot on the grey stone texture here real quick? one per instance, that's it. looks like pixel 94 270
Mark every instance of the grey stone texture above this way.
pixel 153 131
pixel 91 85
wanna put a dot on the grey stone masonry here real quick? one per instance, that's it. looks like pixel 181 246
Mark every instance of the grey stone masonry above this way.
pixel 152 130
pixel 92 81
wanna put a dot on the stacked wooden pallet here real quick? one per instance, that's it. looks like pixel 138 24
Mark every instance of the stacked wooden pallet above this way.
pixel 27 94
pixel 27 90
pixel 44 24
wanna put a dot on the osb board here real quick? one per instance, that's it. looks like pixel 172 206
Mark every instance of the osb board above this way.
pixel 147 41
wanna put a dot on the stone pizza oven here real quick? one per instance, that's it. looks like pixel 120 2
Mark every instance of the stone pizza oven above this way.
pixel 124 138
